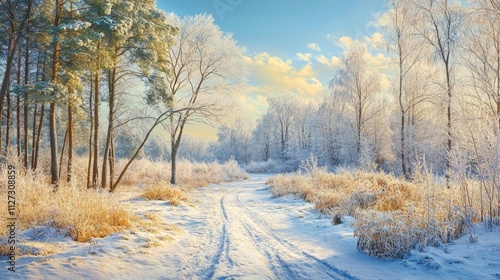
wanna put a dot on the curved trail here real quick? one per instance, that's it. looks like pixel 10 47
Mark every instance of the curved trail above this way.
pixel 239 241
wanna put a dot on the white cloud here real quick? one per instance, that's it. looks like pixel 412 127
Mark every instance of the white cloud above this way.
pixel 332 62
pixel 304 56
pixel 345 41
pixel 276 75
pixel 376 40
pixel 314 46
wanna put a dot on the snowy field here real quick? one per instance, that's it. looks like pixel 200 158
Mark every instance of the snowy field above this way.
pixel 237 231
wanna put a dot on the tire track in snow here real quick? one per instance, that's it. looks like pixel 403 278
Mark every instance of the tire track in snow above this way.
pixel 280 269
pixel 223 245
pixel 329 269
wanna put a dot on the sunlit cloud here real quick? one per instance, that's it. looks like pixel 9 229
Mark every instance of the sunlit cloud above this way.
pixel 314 46
pixel 276 75
pixel 304 56
pixel 330 62
pixel 379 61
pixel 376 40
pixel 345 41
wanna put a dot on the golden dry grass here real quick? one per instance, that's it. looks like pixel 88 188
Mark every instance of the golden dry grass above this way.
pixel 88 213
pixel 189 175
pixel 83 213
pixel 164 191
pixel 386 209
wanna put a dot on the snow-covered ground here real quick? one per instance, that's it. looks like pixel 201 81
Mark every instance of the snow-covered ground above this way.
pixel 237 231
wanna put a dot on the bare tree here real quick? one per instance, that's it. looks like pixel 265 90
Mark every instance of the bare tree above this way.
pixel 407 52
pixel 441 26
pixel 283 109
pixel 206 65
pixel 359 84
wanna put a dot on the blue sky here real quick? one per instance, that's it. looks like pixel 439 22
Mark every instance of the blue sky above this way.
pixel 291 45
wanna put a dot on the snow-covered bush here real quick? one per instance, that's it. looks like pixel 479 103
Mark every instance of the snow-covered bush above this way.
pixel 392 216
pixel 385 234
pixel 232 172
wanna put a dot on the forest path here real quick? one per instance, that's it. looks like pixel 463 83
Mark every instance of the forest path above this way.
pixel 245 234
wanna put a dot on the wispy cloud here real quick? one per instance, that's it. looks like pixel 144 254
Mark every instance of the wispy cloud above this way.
pixel 314 46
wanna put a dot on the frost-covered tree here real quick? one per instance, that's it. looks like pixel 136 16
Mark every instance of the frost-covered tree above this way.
pixel 442 20
pixel 282 109
pixel 407 51
pixel 234 140
pixel 359 84
pixel 206 66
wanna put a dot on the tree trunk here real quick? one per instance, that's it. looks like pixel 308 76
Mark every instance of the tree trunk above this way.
pixel 38 137
pixel 173 158
pixel 91 118
pixel 52 125
pixel 69 168
pixel 95 172
pixel 159 120
pixel 62 152
pixel 25 123
pixel 111 163
pixel 8 66
pixel 449 144
pixel 7 125
pixel 33 135
pixel 111 87
pixel 18 108
pixel 13 43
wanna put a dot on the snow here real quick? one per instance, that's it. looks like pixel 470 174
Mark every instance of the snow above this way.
pixel 237 231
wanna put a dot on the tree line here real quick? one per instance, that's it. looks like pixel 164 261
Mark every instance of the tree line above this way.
pixel 78 73
pixel 438 109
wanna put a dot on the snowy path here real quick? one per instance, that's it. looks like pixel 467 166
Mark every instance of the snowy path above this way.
pixel 239 241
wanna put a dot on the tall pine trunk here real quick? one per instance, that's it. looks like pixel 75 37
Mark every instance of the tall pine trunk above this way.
pixel 7 124
pixel 95 171
pixel 91 119
pixel 53 106
pixel 18 108
pixel 25 105
pixel 112 92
